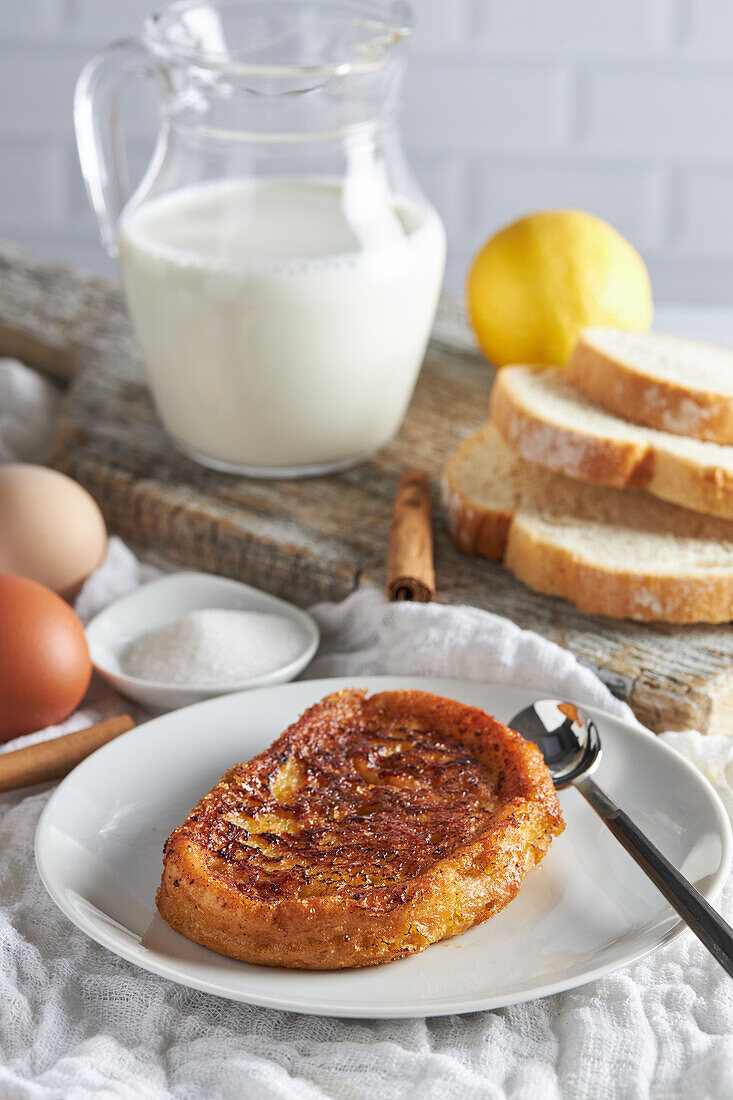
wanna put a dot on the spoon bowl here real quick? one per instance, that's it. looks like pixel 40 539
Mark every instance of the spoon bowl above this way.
pixel 566 736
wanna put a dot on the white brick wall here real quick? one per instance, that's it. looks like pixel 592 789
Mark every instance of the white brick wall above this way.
pixel 572 26
pixel 624 108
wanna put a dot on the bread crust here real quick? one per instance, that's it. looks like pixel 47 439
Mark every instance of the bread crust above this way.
pixel 620 463
pixel 422 840
pixel 652 402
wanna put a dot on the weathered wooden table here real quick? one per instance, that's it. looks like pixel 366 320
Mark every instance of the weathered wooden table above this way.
pixel 316 539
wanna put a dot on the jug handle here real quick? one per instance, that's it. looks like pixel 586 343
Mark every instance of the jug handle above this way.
pixel 98 132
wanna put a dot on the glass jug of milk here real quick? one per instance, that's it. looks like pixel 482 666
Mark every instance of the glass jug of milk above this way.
pixel 280 265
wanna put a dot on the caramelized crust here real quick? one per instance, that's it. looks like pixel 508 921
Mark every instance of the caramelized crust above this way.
pixel 370 829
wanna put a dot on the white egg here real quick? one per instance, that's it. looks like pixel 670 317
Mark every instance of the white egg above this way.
pixel 51 529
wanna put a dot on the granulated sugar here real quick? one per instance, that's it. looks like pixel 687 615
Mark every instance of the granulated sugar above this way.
pixel 214 647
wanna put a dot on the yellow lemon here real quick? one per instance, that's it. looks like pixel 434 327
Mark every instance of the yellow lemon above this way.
pixel 538 282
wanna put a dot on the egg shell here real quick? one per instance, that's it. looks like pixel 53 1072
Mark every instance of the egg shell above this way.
pixel 44 658
pixel 51 529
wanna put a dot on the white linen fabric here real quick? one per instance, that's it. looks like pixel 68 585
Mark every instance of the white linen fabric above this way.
pixel 77 1022
pixel 28 407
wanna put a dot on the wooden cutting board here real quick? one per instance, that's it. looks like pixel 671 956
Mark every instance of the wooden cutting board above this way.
pixel 322 538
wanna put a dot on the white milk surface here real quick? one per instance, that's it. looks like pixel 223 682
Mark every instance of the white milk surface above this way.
pixel 282 323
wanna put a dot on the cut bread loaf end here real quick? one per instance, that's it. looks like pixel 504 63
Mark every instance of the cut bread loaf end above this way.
pixel 621 554
pixel 544 418
pixel 662 382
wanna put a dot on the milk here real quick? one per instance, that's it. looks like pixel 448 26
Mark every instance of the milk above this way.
pixel 282 323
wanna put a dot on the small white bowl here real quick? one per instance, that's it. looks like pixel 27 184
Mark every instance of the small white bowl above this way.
pixel 163 601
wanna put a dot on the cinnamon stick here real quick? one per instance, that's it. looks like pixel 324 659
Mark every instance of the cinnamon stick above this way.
pixel 54 759
pixel 410 569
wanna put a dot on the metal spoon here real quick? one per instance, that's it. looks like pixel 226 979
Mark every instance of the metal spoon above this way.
pixel 571 746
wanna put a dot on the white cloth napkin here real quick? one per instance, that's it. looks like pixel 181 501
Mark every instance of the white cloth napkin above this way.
pixel 76 1021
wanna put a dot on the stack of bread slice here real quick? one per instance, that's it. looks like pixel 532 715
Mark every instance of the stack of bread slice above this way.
pixel 608 482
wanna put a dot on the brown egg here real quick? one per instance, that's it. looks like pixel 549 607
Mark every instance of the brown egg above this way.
pixel 51 529
pixel 44 658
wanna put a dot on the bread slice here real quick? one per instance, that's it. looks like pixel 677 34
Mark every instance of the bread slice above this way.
pixel 370 829
pixel 660 381
pixel 544 418
pixel 616 553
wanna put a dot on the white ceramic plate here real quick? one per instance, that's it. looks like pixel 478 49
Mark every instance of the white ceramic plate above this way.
pixel 585 911
pixel 166 599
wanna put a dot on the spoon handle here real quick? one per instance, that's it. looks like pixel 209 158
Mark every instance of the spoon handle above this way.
pixel 707 925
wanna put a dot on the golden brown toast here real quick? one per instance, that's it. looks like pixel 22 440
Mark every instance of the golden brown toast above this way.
pixel 373 827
